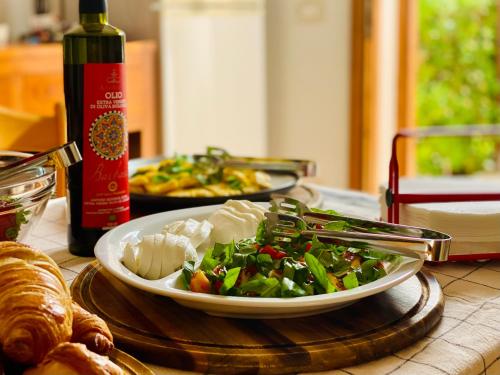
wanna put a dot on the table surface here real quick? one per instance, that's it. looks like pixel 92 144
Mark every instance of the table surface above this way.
pixel 466 341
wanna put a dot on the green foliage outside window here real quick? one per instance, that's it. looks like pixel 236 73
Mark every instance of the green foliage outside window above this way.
pixel 457 82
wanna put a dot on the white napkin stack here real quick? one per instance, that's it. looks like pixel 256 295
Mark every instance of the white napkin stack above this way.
pixel 474 226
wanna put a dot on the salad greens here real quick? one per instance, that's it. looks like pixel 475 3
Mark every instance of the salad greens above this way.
pixel 10 223
pixel 258 267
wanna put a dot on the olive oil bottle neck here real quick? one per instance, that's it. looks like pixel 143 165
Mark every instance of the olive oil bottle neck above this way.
pixel 93 12
pixel 94 18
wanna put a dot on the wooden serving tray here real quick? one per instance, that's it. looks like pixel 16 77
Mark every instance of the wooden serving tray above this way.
pixel 158 330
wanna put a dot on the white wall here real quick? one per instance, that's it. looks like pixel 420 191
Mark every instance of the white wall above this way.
pixel 17 14
pixel 309 54
pixel 214 84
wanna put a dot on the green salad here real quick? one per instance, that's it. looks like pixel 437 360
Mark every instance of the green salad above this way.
pixel 258 267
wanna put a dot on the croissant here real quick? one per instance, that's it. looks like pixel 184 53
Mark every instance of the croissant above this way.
pixel 74 359
pixel 35 304
pixel 91 330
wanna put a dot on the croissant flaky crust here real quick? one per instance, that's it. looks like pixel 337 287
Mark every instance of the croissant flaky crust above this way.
pixel 35 304
pixel 91 330
pixel 74 359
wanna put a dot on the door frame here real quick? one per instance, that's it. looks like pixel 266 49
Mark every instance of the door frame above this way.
pixel 407 83
pixel 364 127
pixel 363 123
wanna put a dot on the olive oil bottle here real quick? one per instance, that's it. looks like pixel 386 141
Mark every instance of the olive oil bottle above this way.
pixel 94 87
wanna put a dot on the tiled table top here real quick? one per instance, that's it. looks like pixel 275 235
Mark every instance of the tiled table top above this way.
pixel 465 342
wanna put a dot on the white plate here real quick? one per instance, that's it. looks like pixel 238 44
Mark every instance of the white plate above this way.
pixel 109 250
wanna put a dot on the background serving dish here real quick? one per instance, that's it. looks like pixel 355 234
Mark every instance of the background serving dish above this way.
pixel 148 203
pixel 109 251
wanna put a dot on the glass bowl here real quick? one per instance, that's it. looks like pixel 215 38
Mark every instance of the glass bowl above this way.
pixel 23 197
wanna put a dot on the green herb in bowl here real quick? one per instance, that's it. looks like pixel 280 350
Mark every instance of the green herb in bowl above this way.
pixel 12 217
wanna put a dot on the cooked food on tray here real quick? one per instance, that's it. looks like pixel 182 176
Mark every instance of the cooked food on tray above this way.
pixel 185 176
pixel 37 314
pixel 241 260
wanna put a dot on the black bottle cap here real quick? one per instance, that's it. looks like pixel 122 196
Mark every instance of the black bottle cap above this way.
pixel 93 6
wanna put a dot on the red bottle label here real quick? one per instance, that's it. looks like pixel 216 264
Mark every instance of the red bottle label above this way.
pixel 106 201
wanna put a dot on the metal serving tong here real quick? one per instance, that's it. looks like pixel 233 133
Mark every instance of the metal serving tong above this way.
pixel 59 157
pixel 290 218
pixel 303 168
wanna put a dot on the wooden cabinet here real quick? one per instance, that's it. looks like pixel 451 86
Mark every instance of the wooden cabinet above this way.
pixel 31 80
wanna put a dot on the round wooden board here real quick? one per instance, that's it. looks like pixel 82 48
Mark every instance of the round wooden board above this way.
pixel 158 330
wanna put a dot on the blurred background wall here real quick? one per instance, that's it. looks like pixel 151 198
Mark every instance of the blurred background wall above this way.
pixel 308 45
pixel 257 77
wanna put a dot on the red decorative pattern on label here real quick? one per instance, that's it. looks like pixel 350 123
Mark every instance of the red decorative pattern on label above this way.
pixel 106 201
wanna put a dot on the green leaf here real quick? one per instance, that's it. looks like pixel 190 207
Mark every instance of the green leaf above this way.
pixel 301 275
pixel 369 272
pixel 316 246
pixel 265 287
pixel 368 264
pixel 308 288
pixel 271 288
pixel 202 179
pixel 246 246
pixel 261 234
pixel 350 281
pixel 218 250
pixel 326 258
pixel 264 259
pixel 264 263
pixel 319 272
pixel 208 263
pixel 379 255
pixel 218 151
pixel 234 183
pixel 187 273
pixel 137 173
pixel 239 260
pixel 230 280
pixel 291 289
pixel 11 233
pixel 229 251
pixel 340 267
pixel 160 178
pixel 328 212
pixel 336 225
pixel 288 269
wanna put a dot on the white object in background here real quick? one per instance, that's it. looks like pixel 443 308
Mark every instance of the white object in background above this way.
pixel 474 226
pixel 214 79
pixel 309 65
pixel 4 34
